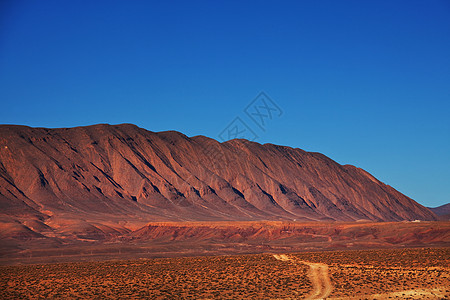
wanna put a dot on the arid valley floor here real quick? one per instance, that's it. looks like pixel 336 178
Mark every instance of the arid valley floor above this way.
pixel 236 260
pixel 120 212
pixel 373 274
pixel 232 260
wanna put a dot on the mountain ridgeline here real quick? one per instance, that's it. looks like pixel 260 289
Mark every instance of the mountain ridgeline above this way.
pixel 126 172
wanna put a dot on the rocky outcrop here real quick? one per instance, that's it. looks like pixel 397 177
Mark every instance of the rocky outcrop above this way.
pixel 123 173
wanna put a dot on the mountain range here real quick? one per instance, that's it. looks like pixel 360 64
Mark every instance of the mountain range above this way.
pixel 443 211
pixel 124 172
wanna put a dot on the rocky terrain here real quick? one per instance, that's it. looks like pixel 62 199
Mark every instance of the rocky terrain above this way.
pixel 443 211
pixel 108 182
pixel 376 274
pixel 126 171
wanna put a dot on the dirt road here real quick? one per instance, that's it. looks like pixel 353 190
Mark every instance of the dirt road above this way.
pixel 318 274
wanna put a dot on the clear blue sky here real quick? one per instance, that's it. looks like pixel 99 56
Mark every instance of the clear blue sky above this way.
pixel 364 82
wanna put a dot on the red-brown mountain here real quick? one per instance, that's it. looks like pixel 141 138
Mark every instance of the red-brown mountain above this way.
pixel 443 211
pixel 123 173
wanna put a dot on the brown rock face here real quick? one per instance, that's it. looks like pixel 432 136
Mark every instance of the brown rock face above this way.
pixel 123 173
pixel 443 211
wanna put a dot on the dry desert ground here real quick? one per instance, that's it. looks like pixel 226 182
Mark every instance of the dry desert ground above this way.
pixel 360 274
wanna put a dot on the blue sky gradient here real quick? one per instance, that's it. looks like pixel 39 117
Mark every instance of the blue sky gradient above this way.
pixel 364 82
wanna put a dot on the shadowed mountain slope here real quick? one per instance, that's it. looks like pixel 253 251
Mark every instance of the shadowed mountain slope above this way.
pixel 443 211
pixel 123 172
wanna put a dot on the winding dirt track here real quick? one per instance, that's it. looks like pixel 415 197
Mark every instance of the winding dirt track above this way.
pixel 318 274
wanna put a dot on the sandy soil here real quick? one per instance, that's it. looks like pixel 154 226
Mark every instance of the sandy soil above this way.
pixel 317 274
pixel 369 274
pixel 80 242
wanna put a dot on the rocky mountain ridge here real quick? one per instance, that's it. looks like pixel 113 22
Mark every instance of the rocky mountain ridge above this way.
pixel 123 172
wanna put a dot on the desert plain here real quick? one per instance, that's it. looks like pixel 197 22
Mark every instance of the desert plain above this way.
pixel 422 273
pixel 234 260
